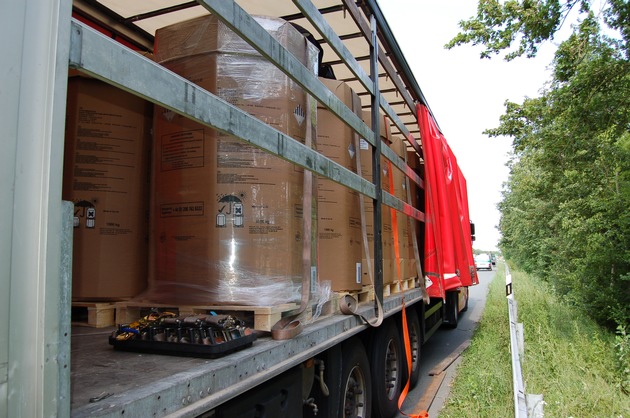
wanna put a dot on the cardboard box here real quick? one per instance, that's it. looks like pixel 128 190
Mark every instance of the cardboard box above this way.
pixel 339 218
pixel 387 233
pixel 106 176
pixel 227 217
pixel 402 235
pixel 417 197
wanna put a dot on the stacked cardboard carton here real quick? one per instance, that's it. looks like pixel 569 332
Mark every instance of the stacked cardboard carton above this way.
pixel 227 217
pixel 386 218
pixel 106 176
pixel 339 219
pixel 402 237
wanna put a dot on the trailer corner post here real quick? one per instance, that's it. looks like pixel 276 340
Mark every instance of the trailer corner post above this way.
pixel 376 166
pixel 34 71
pixel 64 292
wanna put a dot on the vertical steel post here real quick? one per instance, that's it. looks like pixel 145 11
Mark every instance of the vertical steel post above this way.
pixel 376 164
pixel 520 406
pixel 34 345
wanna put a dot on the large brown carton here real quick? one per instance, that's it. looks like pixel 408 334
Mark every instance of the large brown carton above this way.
pixel 386 219
pixel 417 196
pixel 227 216
pixel 339 220
pixel 106 176
pixel 400 222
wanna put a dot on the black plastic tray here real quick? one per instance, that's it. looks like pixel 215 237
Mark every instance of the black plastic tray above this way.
pixel 183 349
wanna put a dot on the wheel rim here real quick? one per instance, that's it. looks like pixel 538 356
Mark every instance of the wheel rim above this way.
pixel 414 338
pixel 354 394
pixel 391 369
pixel 456 309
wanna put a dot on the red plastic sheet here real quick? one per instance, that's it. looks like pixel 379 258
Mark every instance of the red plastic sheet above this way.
pixel 448 245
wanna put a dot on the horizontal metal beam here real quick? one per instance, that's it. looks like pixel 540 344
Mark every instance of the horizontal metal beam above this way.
pixel 104 59
pixel 311 13
pixel 385 63
pixel 400 206
pixel 242 23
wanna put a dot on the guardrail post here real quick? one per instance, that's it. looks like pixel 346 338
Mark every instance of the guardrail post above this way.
pixel 525 406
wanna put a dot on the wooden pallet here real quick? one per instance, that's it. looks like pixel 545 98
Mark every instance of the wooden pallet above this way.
pixel 260 318
pixel 94 314
pixel 399 286
pixel 366 294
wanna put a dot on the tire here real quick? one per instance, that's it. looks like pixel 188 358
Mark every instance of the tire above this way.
pixel 467 296
pixel 386 363
pixel 356 385
pixel 452 311
pixel 415 340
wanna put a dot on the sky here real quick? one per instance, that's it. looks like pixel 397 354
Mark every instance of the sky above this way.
pixel 466 95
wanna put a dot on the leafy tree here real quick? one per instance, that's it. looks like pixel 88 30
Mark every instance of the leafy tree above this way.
pixel 499 25
pixel 564 213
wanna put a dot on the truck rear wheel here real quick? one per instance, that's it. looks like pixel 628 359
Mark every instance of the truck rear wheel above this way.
pixel 465 308
pixel 452 309
pixel 356 389
pixel 386 363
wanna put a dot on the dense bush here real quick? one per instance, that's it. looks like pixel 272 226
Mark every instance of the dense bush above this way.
pixel 565 211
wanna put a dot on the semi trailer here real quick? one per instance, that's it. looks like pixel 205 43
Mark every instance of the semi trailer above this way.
pixel 297 195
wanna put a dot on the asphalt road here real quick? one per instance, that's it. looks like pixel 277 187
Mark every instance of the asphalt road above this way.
pixel 440 355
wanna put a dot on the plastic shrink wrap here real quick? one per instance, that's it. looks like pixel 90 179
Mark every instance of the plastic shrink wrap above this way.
pixel 226 216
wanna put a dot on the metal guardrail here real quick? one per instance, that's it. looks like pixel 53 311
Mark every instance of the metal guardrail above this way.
pixel 525 406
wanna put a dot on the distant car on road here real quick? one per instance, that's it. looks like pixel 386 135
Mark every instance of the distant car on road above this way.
pixel 483 262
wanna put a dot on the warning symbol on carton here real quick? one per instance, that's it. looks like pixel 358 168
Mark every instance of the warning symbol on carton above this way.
pixel 299 114
pixel 230 210
pixel 86 210
pixel 351 151
pixel 168 115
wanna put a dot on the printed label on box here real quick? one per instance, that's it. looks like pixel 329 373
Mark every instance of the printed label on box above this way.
pixel 169 210
pixel 183 149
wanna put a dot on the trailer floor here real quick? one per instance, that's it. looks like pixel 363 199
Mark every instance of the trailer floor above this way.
pixel 144 384
pixel 97 368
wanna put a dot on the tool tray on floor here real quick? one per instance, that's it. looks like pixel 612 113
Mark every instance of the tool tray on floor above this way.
pixel 195 335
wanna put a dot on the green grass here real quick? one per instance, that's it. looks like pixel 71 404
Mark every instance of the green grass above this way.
pixel 569 359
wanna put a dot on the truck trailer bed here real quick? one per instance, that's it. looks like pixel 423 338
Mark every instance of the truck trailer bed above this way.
pixel 156 385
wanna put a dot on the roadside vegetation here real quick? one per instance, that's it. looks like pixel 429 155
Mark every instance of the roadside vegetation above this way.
pixel 564 212
pixel 565 222
pixel 581 368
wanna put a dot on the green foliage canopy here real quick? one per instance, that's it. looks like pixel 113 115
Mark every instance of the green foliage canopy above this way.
pixel 565 212
pixel 499 25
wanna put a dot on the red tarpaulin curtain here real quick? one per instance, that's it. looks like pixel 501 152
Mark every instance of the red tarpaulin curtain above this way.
pixel 468 260
pixel 448 244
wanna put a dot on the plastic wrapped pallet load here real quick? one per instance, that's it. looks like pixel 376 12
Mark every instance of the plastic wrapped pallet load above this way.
pixel 227 216
pixel 386 218
pixel 402 254
pixel 339 219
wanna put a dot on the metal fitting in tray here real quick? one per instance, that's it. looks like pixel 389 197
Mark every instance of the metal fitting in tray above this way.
pixel 195 335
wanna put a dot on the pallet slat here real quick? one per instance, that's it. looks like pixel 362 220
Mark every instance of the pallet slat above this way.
pixel 262 317
pixel 399 286
pixel 93 314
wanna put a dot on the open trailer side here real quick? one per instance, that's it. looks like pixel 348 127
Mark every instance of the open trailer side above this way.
pixel 340 364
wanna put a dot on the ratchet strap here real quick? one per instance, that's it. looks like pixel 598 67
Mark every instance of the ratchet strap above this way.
pixel 349 305
pixel 405 391
pixel 290 326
